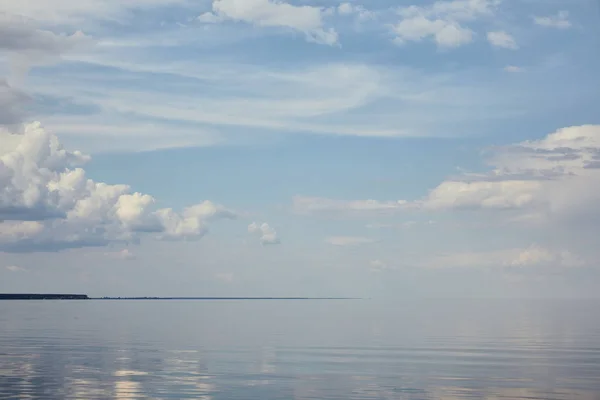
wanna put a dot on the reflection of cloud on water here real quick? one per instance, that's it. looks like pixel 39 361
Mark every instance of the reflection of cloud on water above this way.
pixel 458 393
pixel 127 390
pixel 267 362
pixel 184 372
pixel 467 365
pixel 130 373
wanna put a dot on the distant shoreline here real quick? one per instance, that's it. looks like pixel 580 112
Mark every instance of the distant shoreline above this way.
pixel 224 298
pixel 42 296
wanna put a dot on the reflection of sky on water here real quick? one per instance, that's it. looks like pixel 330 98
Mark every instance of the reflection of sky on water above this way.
pixel 511 354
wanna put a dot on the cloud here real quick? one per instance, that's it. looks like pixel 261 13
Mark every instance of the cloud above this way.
pixel 354 9
pixel 267 234
pixel 485 194
pixel 344 241
pixel 124 254
pixel 305 99
pixel 442 21
pixel 76 12
pixel 559 21
pixel 513 69
pixel 28 45
pixel 346 8
pixel 502 39
pixel 12 101
pixel 533 256
pixel 210 18
pixel 378 266
pixel 274 13
pixel 553 179
pixel 308 205
pixel 14 268
pixel 48 203
pixel 445 33
pixel 550 176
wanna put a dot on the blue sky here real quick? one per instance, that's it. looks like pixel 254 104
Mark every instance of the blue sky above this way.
pixel 418 148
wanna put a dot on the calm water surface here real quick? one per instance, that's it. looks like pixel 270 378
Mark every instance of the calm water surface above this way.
pixel 485 349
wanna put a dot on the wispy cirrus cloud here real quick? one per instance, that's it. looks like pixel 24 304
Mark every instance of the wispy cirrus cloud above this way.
pixel 534 256
pixel 309 205
pixel 76 12
pixel 345 241
pixel 15 268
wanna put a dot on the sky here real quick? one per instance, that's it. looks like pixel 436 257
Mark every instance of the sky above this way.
pixel 385 149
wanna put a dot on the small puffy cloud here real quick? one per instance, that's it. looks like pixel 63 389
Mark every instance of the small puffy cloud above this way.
pixel 353 9
pixel 48 203
pixel 308 205
pixel 445 33
pixel 346 8
pixel 344 241
pixel 14 268
pixel 559 21
pixel 502 39
pixel 513 69
pixel 443 22
pixel 124 254
pixel 378 266
pixel 267 234
pixel 274 13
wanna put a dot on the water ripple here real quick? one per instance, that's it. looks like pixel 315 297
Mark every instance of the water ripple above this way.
pixel 276 352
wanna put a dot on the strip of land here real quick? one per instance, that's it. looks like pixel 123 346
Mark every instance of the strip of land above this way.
pixel 224 298
pixel 42 296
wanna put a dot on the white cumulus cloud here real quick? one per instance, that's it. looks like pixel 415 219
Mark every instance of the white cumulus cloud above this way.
pixel 559 21
pixel 550 179
pixel 502 39
pixel 353 9
pixel 267 234
pixel 48 203
pixel 274 13
pixel 442 21
pixel 556 176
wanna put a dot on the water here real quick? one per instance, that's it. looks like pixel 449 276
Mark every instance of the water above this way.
pixel 458 349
